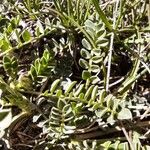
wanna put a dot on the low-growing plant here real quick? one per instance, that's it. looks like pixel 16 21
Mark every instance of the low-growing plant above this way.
pixel 78 70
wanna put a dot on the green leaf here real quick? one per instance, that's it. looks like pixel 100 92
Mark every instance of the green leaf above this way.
pixel 90 102
pixel 37 66
pixel 110 102
pixel 114 146
pixel 99 27
pixel 38 69
pixel 94 68
pixel 85 54
pixel 6 45
pixel 79 90
pixel 37 31
pixel 46 55
pixel 94 79
pixel 107 144
pixel 108 97
pixel 115 104
pixel 88 92
pixel 81 96
pixel 14 64
pixel 26 35
pixel 6 60
pixel 40 27
pixel 91 32
pixel 125 113
pixel 55 115
pixel 86 75
pixel 101 113
pixel 97 51
pixel 61 104
pixel 96 106
pixel 101 33
pixel 97 59
pixel 83 63
pixel 102 94
pixel 89 24
pixel 59 93
pixel 54 85
pixel 43 62
pixel 94 92
pixel 102 42
pixel 123 146
pixel 70 87
pixel 33 72
pixel 16 36
pixel 9 28
pixel 86 44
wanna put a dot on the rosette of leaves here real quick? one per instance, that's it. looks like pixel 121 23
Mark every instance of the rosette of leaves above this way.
pixel 93 53
pixel 42 66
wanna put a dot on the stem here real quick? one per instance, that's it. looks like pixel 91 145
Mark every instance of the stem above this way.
pixel 111 47
pixel 109 61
